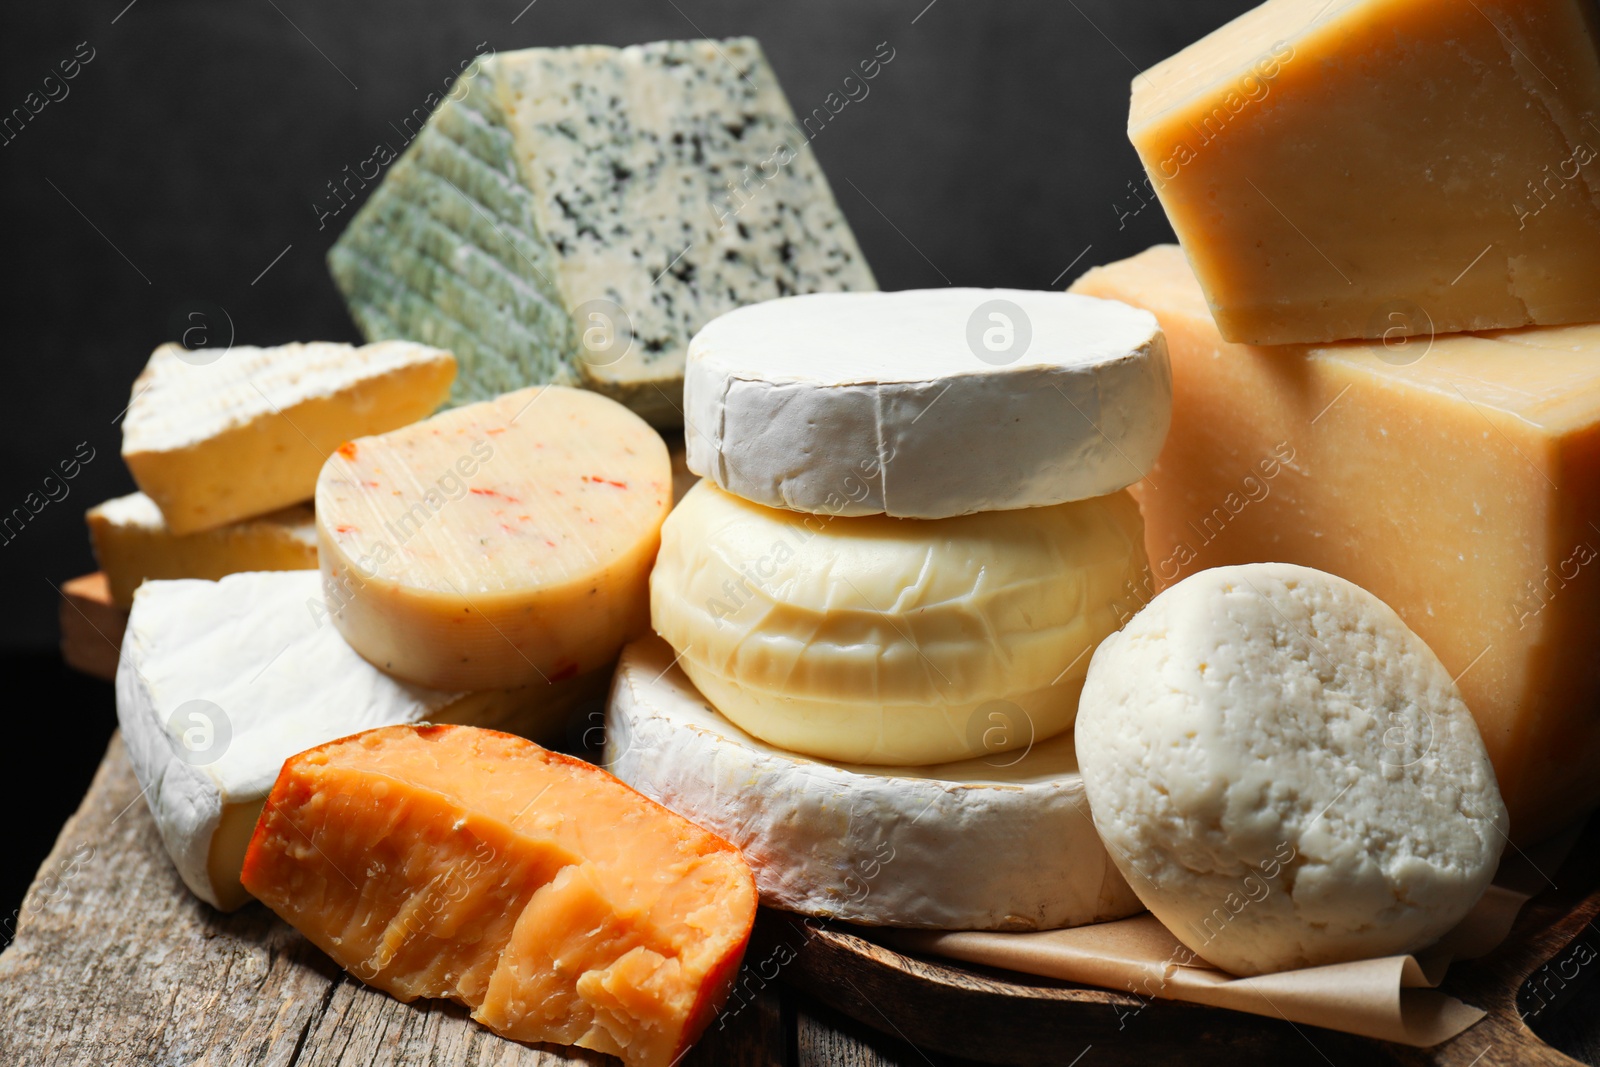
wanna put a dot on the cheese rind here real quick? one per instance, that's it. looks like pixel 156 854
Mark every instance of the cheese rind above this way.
pixel 536 889
pixel 495 545
pixel 879 640
pixel 245 433
pixel 220 682
pixel 926 403
pixel 1001 842
pixel 1458 479
pixel 575 214
pixel 1285 773
pixel 1373 168
pixel 132 543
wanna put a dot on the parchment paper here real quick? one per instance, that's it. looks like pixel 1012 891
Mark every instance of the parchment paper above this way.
pixel 1392 998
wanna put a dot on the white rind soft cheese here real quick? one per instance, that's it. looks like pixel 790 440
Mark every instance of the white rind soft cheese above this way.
pixel 1285 773
pixel 999 843
pixel 268 676
pixel 927 403
pixel 881 640
pixel 215 437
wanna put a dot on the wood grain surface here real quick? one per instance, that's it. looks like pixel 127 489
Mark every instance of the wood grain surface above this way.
pixel 115 963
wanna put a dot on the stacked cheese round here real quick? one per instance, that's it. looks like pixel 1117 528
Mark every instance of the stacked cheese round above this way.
pixel 912 533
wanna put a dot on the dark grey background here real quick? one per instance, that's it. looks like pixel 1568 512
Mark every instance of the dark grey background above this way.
pixel 189 152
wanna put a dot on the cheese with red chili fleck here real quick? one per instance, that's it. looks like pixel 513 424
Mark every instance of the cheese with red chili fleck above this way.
pixel 495 544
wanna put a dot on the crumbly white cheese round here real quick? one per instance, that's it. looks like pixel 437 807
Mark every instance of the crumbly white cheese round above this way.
pixel 1003 842
pixel 1285 773
pixel 927 403
pixel 880 640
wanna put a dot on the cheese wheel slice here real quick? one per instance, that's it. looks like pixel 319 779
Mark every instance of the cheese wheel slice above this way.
pixel 220 682
pixel 215 438
pixel 882 640
pixel 927 403
pixel 497 544
pixel 1001 842
pixel 551 899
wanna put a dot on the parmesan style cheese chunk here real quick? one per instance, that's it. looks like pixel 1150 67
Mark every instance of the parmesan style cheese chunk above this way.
pixel 217 438
pixel 220 682
pixel 573 215
pixel 1000 842
pixel 132 543
pixel 927 403
pixel 1458 479
pixel 1366 168
pixel 551 899
pixel 495 545
pixel 1286 775
pixel 881 640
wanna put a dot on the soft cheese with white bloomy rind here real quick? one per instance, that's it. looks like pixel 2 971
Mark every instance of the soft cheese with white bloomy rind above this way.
pixel 573 215
pixel 220 682
pixel 927 403
pixel 132 543
pixel 1286 774
pixel 215 437
pixel 497 544
pixel 1001 842
pixel 878 640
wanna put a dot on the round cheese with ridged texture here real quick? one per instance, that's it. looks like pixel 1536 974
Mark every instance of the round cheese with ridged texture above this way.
pixel 927 403
pixel 897 641
pixel 1285 773
pixel 1000 842
pixel 496 544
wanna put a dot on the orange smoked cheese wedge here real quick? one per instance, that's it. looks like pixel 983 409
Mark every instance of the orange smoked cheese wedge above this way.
pixel 553 900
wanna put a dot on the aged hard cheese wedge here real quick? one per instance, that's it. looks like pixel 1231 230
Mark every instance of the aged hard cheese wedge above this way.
pixel 497 544
pixel 575 214
pixel 1000 842
pixel 217 438
pixel 1359 168
pixel 927 403
pixel 551 899
pixel 1285 773
pixel 132 543
pixel 1457 479
pixel 894 641
pixel 220 682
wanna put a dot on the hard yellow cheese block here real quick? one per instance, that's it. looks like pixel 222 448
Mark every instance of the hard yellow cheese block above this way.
pixel 498 544
pixel 132 543
pixel 1458 479
pixel 214 438
pixel 1349 169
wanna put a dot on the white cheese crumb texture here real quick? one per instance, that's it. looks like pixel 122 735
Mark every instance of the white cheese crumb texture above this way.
pixel 1286 774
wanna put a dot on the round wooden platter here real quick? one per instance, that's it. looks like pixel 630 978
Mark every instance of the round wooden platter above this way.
pixel 1001 1017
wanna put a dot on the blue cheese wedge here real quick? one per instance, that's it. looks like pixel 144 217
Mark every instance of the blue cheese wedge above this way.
pixel 575 215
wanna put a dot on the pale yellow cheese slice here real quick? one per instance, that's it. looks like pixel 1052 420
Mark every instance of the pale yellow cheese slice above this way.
pixel 496 544
pixel 214 438
pixel 1457 479
pixel 132 543
pixel 871 639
